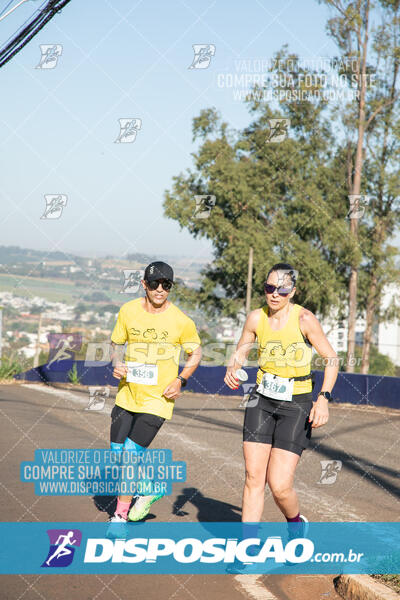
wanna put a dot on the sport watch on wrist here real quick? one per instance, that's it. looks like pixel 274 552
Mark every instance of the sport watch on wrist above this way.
pixel 183 380
pixel 326 395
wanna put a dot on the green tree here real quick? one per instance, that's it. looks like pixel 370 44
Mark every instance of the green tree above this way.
pixel 287 200
pixel 80 308
pixel 367 40
pixel 379 363
pixel 382 174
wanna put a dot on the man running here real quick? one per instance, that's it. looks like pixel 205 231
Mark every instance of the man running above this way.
pixel 155 331
pixel 280 413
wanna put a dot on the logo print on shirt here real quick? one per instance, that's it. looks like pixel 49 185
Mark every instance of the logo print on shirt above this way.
pixel 297 354
pixel 150 333
pixel 134 331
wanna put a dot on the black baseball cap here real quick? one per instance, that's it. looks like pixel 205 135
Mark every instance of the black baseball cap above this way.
pixel 158 270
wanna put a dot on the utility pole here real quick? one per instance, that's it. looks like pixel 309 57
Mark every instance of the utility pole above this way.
pixel 249 280
pixel 362 124
pixel 37 353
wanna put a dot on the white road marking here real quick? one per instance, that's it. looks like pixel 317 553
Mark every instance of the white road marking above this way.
pixel 344 512
pixel 336 512
pixel 203 447
pixel 254 588
pixel 66 395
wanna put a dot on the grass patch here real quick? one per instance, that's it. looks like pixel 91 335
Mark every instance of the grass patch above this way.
pixel 10 366
pixel 391 580
pixel 57 290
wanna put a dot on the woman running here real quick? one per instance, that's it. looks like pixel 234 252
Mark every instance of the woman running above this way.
pixel 280 413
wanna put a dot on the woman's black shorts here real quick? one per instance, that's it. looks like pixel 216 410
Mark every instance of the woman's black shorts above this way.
pixel 278 422
pixel 141 428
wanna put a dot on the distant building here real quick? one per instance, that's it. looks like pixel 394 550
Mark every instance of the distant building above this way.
pixel 389 333
pixel 86 316
pixel 385 336
pixel 336 332
pixel 29 350
pixel 59 315
pixel 229 330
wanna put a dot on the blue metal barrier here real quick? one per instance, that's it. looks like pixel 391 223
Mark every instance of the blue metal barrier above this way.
pixel 354 388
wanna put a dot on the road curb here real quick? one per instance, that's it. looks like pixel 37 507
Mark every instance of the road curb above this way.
pixel 363 587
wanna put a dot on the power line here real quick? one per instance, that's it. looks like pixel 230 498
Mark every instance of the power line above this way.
pixel 27 21
pixel 34 25
pixel 5 8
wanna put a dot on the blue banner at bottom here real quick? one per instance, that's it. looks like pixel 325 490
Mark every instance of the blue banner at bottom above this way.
pixel 199 548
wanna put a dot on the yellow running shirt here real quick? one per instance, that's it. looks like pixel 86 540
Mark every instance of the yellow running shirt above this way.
pixel 154 342
pixel 284 352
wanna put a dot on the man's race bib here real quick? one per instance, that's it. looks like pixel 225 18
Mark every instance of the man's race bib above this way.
pixel 279 388
pixel 142 373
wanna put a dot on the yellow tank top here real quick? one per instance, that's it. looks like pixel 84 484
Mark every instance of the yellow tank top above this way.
pixel 284 352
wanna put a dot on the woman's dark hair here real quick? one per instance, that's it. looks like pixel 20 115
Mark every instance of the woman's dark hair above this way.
pixel 291 271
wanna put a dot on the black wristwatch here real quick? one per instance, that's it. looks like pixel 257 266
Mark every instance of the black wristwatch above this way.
pixel 326 395
pixel 183 380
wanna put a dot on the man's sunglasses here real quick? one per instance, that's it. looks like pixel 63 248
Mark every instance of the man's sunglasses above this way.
pixel 166 284
pixel 282 291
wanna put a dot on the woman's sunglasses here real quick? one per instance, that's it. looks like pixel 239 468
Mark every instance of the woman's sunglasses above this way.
pixel 166 284
pixel 282 291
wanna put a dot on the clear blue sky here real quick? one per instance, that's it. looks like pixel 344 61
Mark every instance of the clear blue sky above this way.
pixel 124 59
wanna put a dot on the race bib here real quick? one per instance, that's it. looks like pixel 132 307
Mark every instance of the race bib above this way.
pixel 142 373
pixel 279 388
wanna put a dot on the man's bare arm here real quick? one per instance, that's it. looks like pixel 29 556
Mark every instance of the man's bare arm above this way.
pixel 192 362
pixel 173 390
pixel 117 358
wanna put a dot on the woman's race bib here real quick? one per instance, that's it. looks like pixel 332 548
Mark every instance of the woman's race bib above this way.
pixel 278 388
pixel 142 373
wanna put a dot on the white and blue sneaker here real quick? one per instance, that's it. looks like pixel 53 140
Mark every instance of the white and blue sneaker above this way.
pixel 118 527
pixel 298 529
pixel 305 526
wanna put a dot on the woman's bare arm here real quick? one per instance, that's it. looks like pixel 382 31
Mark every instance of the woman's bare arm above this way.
pixel 243 348
pixel 311 328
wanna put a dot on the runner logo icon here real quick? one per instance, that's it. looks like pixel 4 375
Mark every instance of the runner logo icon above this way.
pixel 62 547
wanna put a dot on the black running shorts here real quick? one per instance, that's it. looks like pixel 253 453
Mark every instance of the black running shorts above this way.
pixel 278 422
pixel 141 428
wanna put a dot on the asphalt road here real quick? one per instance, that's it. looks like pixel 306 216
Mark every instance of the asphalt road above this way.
pixel 206 433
